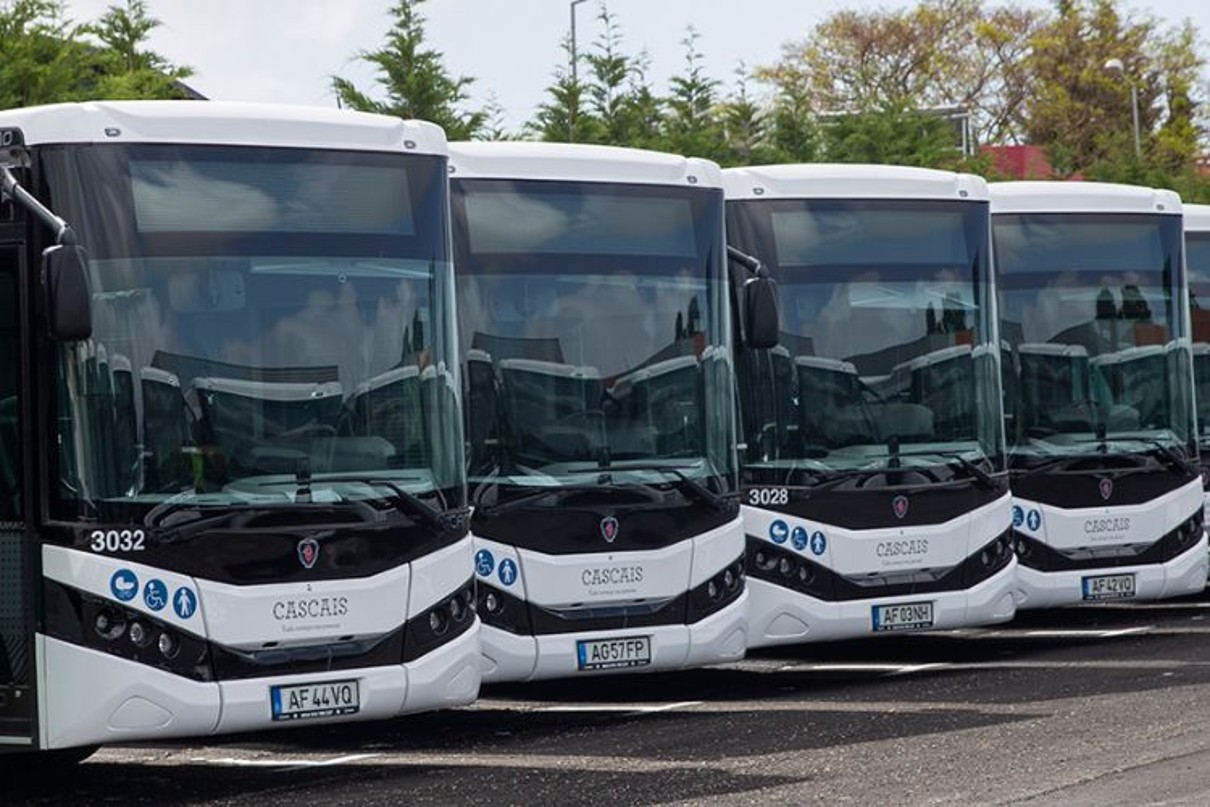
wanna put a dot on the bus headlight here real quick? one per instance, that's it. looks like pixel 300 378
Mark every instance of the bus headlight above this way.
pixel 138 634
pixel 109 624
pixel 168 645
pixel 437 622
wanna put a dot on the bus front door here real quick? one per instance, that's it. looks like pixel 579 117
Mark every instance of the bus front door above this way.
pixel 16 636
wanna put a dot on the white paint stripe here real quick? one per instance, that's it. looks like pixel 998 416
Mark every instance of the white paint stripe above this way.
pixel 1077 633
pixel 287 764
pixel 616 707
pixel 856 667
pixel 1110 634
pixel 915 668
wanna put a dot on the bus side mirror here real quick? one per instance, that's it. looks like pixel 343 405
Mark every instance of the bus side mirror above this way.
pixel 68 298
pixel 761 325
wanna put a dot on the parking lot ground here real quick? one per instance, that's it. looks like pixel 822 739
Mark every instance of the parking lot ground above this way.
pixel 1085 705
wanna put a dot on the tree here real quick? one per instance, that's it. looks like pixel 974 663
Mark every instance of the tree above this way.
pixel 1083 112
pixel 746 126
pixel 45 58
pixel 612 104
pixel 127 69
pixel 940 53
pixel 41 59
pixel 891 135
pixel 414 80
pixel 692 127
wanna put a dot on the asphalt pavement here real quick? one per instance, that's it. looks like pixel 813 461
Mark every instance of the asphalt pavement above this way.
pixel 1092 705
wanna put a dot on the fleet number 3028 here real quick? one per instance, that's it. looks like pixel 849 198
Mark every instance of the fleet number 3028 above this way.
pixel 116 540
pixel 766 496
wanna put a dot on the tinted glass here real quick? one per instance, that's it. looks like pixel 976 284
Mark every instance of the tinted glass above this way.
pixel 263 319
pixel 887 342
pixel 10 368
pixel 594 322
pixel 1197 260
pixel 1092 309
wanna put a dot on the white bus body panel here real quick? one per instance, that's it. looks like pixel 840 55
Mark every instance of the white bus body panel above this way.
pixel 844 181
pixel 565 581
pixel 1081 197
pixel 778 615
pixel 1139 523
pixel 223 123
pixel 88 697
pixel 579 163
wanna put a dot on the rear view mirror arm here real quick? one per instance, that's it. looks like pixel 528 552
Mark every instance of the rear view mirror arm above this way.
pixel 12 190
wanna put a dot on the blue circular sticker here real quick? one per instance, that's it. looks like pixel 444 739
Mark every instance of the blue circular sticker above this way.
pixel 1018 515
pixel 798 538
pixel 508 572
pixel 155 594
pixel 184 602
pixel 1034 519
pixel 124 584
pixel 779 531
pixel 485 564
pixel 819 543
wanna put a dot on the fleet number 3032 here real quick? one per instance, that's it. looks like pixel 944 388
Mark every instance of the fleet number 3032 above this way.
pixel 116 540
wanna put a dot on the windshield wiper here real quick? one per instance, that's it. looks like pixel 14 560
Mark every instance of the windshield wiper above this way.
pixel 834 479
pixel 1051 462
pixel 685 484
pixel 1177 460
pixel 561 491
pixel 441 519
pixel 981 477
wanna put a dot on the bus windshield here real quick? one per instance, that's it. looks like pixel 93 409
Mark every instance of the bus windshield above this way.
pixel 1197 260
pixel 594 332
pixel 1097 356
pixel 886 355
pixel 263 320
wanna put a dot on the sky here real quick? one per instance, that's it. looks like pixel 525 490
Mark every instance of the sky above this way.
pixel 287 50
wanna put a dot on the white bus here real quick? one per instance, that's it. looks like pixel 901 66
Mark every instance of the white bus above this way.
pixel 231 483
pixel 1099 410
pixel 873 469
pixel 1197 261
pixel 594 314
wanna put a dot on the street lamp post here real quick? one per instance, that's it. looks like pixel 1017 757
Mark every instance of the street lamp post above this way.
pixel 1116 66
pixel 575 82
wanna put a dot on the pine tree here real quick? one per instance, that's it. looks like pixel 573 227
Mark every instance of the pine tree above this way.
pixel 414 80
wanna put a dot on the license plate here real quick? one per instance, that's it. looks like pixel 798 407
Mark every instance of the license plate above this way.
pixel 905 616
pixel 1109 587
pixel 302 701
pixel 614 654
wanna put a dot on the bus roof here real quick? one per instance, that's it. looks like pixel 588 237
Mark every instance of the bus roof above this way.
pixel 846 181
pixel 1081 197
pixel 220 123
pixel 1197 218
pixel 579 162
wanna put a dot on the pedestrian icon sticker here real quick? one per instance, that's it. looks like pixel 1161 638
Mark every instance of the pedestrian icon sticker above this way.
pixel 508 572
pixel 184 602
pixel 124 584
pixel 485 564
pixel 819 543
pixel 155 594
pixel 1034 520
